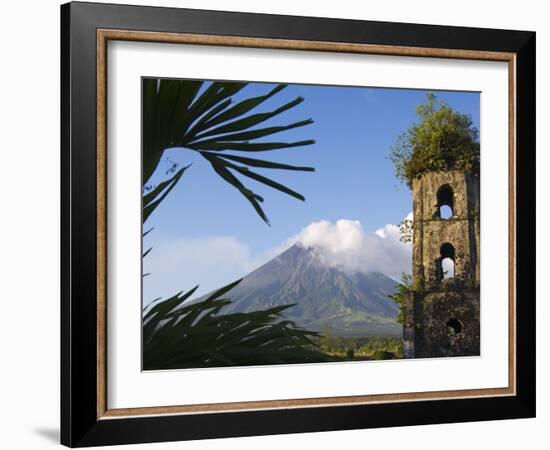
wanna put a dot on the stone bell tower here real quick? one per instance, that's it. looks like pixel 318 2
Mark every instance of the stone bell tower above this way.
pixel 441 311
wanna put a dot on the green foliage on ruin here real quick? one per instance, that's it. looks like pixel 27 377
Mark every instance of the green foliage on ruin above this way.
pixel 399 295
pixel 418 284
pixel 444 139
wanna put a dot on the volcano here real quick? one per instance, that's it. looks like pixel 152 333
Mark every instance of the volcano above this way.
pixel 323 296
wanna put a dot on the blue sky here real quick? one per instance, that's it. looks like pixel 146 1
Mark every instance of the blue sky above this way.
pixel 354 129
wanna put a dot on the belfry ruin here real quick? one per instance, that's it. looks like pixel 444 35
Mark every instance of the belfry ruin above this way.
pixel 441 310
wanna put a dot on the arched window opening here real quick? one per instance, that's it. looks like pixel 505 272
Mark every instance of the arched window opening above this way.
pixel 454 326
pixel 447 268
pixel 445 206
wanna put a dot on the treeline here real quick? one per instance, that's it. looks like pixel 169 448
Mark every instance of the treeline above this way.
pixel 360 348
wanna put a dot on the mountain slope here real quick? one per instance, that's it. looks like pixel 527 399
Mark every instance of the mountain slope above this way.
pixel 350 304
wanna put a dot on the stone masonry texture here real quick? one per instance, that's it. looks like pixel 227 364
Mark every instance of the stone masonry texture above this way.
pixel 442 313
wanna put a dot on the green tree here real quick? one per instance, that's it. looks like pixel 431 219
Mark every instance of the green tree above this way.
pixel 444 139
pixel 399 296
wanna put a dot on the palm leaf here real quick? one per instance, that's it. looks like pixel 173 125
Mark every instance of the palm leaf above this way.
pixel 244 107
pixel 248 173
pixel 148 231
pixel 248 147
pixel 250 121
pixel 205 118
pixel 198 334
pixel 250 135
pixel 252 197
pixel 264 164
pixel 214 94
pixel 152 199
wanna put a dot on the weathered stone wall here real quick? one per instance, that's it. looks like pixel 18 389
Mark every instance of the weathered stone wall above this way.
pixel 442 314
pixel 443 324
pixel 431 231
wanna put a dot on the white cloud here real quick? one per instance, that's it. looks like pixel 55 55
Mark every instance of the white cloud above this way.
pixel 213 262
pixel 345 244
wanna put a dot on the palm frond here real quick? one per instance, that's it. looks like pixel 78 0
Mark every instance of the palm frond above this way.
pixel 260 178
pixel 205 118
pixel 265 164
pixel 178 335
pixel 156 195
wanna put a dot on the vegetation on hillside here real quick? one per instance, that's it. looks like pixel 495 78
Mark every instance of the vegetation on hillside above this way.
pixel 343 348
pixel 444 139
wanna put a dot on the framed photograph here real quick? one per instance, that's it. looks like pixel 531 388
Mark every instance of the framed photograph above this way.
pixel 277 224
